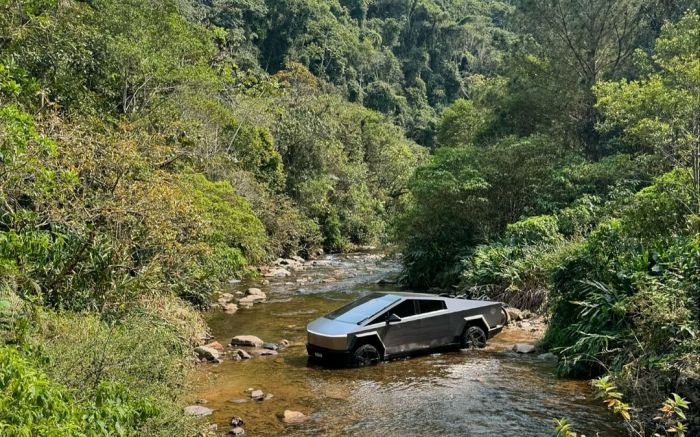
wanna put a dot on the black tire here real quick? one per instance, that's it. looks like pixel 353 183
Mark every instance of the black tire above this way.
pixel 365 355
pixel 473 338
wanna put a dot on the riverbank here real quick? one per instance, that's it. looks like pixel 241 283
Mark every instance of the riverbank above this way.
pixel 437 394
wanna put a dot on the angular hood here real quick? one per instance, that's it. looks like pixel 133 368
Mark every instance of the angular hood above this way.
pixel 330 328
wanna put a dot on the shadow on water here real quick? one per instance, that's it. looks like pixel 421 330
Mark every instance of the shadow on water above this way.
pixel 489 392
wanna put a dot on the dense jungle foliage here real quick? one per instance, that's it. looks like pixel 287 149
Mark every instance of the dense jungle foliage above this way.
pixel 542 152
pixel 571 187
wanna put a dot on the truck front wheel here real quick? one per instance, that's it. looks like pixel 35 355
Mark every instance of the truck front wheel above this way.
pixel 365 355
pixel 474 337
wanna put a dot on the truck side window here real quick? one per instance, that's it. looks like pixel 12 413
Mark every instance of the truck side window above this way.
pixel 404 309
pixel 428 306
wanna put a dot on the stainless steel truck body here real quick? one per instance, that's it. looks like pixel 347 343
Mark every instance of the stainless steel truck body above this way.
pixel 380 326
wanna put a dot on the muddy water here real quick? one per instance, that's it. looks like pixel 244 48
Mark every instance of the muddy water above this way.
pixel 490 392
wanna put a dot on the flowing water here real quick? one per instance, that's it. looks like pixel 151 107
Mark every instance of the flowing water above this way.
pixel 489 392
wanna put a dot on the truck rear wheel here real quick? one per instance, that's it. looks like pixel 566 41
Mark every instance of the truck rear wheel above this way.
pixel 473 338
pixel 365 355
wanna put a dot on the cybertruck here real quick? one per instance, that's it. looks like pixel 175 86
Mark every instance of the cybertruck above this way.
pixel 382 326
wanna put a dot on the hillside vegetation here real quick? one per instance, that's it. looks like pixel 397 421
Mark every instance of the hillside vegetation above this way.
pixel 543 153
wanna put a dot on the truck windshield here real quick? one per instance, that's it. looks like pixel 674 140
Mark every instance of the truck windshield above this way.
pixel 363 308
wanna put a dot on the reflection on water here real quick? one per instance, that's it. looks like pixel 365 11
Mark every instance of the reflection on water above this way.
pixel 490 392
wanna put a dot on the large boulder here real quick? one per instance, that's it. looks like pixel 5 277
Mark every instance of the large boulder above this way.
pixel 247 340
pixel 290 416
pixel 524 348
pixel 198 410
pixel 207 353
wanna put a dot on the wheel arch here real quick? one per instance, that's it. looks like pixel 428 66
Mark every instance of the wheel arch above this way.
pixel 369 338
pixel 479 321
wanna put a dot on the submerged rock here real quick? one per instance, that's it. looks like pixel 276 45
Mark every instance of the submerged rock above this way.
pixel 246 340
pixel 548 357
pixel 230 308
pixel 259 352
pixel 257 395
pixel 524 348
pixel 237 431
pixel 237 421
pixel 271 346
pixel 290 416
pixel 198 410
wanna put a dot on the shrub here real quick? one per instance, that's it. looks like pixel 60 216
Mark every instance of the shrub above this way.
pixel 533 230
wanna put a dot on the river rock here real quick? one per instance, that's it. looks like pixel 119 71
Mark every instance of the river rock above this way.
pixel 207 353
pixel 271 346
pixel 237 421
pixel 290 416
pixel 247 302
pixel 321 263
pixel 524 348
pixel 230 308
pixel 298 259
pixel 215 345
pixel 252 291
pixel 246 340
pixel 548 357
pixel 243 355
pixel 198 410
pixel 257 395
pixel 277 272
pixel 283 344
pixel 259 352
pixel 238 294
pixel 237 431
pixel 514 314
pixel 225 298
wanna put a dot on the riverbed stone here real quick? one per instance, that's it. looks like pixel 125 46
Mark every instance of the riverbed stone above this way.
pixel 290 416
pixel 237 421
pixel 225 298
pixel 241 354
pixel 252 291
pixel 215 345
pixel 207 353
pixel 277 272
pixel 259 352
pixel 283 344
pixel 198 410
pixel 548 357
pixel 237 431
pixel 271 346
pixel 524 348
pixel 246 340
pixel 230 308
pixel 514 314
pixel 257 395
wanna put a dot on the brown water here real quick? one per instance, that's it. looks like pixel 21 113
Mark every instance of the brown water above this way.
pixel 490 392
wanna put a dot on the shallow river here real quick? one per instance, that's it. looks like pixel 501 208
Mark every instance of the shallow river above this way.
pixel 490 392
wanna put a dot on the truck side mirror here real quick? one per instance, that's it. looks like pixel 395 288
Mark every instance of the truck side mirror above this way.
pixel 393 318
